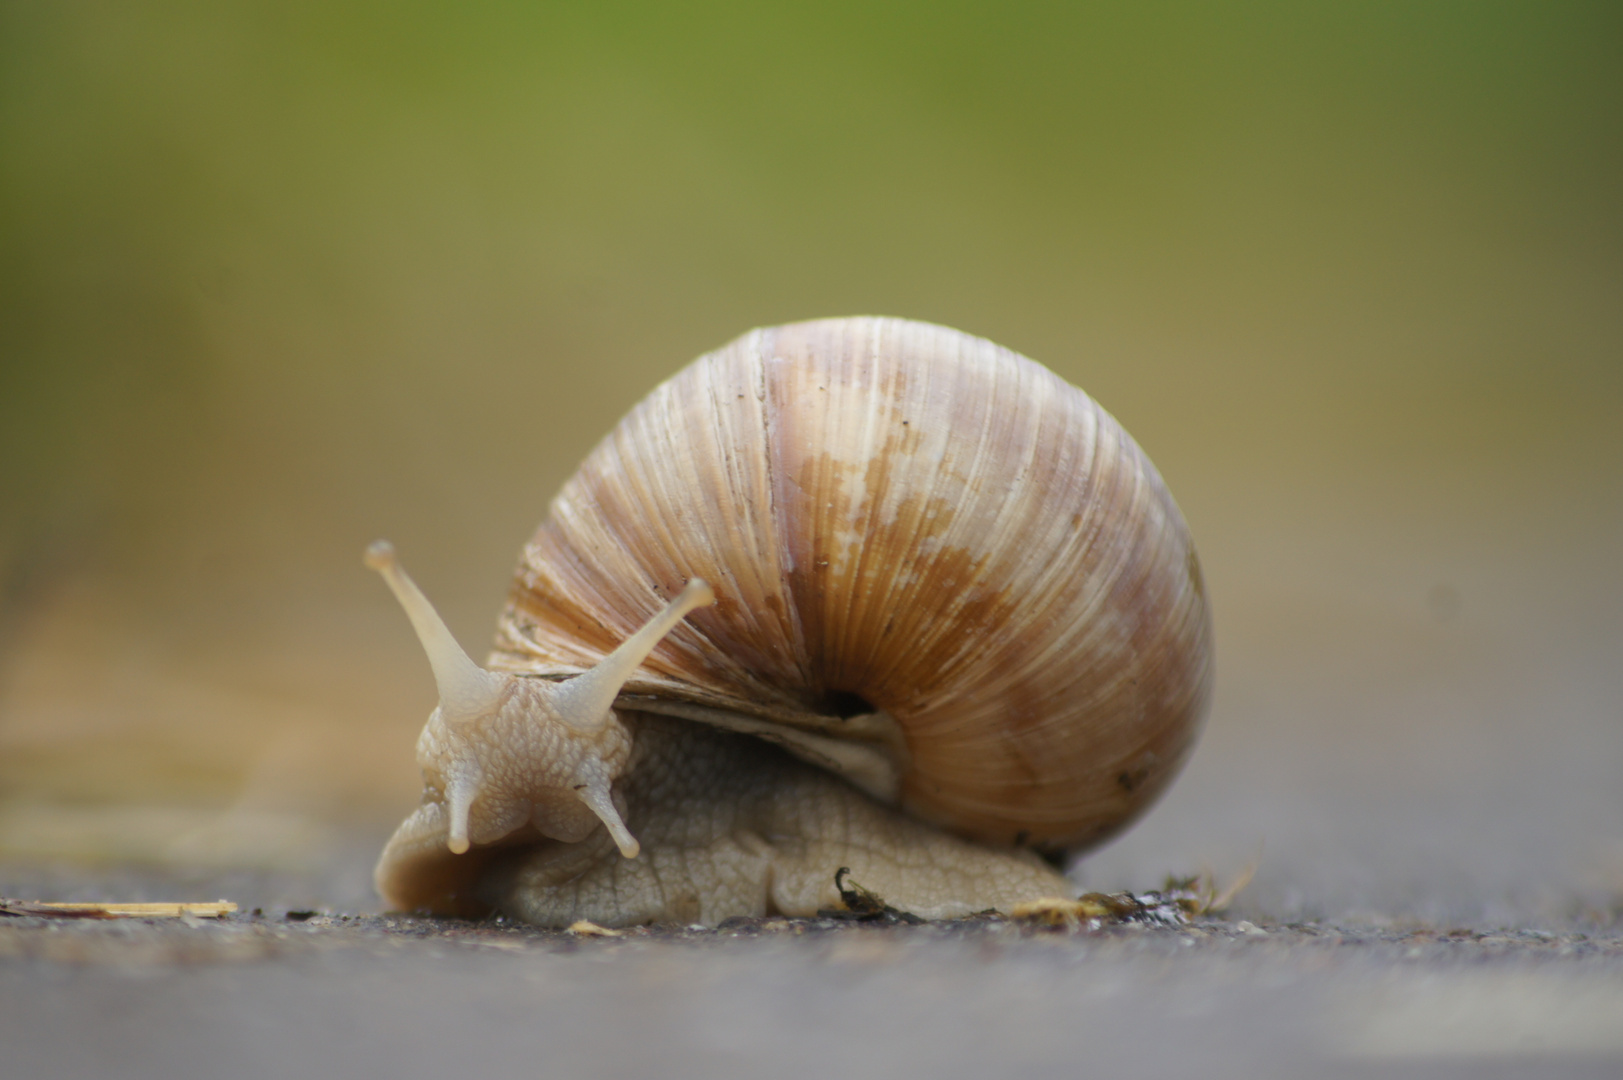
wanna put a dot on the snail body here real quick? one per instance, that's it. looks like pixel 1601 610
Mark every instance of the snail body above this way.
pixel 909 604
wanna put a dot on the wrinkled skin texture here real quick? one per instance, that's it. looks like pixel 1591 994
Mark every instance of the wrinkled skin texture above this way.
pixel 728 825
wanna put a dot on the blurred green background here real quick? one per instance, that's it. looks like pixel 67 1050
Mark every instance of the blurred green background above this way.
pixel 280 278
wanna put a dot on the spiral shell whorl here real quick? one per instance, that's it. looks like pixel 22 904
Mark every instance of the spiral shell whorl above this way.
pixel 894 513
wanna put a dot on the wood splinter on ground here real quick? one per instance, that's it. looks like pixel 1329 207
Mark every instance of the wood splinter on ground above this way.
pixel 51 909
pixel 586 928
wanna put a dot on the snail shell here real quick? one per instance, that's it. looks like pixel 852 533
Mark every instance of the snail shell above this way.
pixel 940 572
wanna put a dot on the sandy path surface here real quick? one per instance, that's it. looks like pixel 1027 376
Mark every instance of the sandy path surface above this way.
pixel 373 997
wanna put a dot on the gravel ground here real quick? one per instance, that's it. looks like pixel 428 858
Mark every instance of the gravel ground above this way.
pixel 323 993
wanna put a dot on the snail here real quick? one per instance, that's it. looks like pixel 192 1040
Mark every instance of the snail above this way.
pixel 856 593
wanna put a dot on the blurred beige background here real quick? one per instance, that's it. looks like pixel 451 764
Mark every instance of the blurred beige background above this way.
pixel 283 278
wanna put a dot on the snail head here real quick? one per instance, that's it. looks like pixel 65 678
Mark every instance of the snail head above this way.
pixel 505 750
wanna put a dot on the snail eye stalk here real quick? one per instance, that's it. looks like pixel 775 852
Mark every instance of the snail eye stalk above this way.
pixel 583 702
pixel 466 690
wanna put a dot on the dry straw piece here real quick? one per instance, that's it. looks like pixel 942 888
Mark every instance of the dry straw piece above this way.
pixel 52 909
